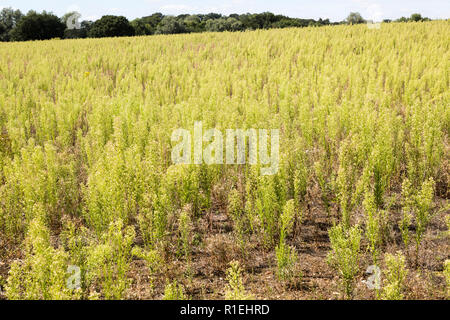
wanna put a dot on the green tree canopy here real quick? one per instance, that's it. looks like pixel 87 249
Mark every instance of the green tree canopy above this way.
pixel 192 23
pixel 416 17
pixel 38 26
pixel 8 20
pixel 170 25
pixel 146 25
pixel 111 26
pixel 355 18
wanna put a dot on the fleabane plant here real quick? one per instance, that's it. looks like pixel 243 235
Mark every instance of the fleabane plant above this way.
pixel 42 275
pixel 239 217
pixel 174 291
pixel 108 261
pixel 345 255
pixel 236 290
pixel 373 226
pixel 447 276
pixel 286 256
pixel 417 205
pixel 423 213
pixel 395 276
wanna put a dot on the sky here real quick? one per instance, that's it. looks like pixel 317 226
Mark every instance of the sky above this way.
pixel 335 10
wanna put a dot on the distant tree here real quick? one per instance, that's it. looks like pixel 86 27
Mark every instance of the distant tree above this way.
pixel 234 24
pixel 155 19
pixel 146 25
pixel 8 20
pixel 286 23
pixel 38 26
pixel 266 19
pixel 170 25
pixel 141 28
pixel 355 18
pixel 193 23
pixel 85 26
pixel 212 16
pixel 416 17
pixel 181 17
pixel 217 25
pixel 2 29
pixel 111 26
pixel 248 21
pixel 72 34
pixel 157 23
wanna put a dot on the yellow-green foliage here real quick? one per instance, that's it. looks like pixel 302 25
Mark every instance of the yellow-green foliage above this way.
pixel 287 220
pixel 417 204
pixel 108 261
pixel 186 230
pixel 286 256
pixel 37 175
pixel 395 275
pixel 174 291
pixel 151 257
pixel 407 210
pixel 447 276
pixel 345 254
pixel 42 274
pixel 269 204
pixel 447 220
pixel 237 212
pixel 76 241
pixel 86 125
pixel 236 290
pixel 115 187
pixel 373 226
pixel 423 214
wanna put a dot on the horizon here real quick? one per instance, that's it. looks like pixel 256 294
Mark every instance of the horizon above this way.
pixel 325 9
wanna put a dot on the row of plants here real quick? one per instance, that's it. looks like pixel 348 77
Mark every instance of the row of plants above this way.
pixel 85 151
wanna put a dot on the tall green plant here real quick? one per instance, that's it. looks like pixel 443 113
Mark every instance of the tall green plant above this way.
pixel 423 214
pixel 42 274
pixel 174 291
pixel 236 290
pixel 344 257
pixel 373 226
pixel 108 261
pixel 286 255
pixel 238 215
pixel 395 276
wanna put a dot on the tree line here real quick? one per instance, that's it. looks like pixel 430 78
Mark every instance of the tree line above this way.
pixel 15 26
